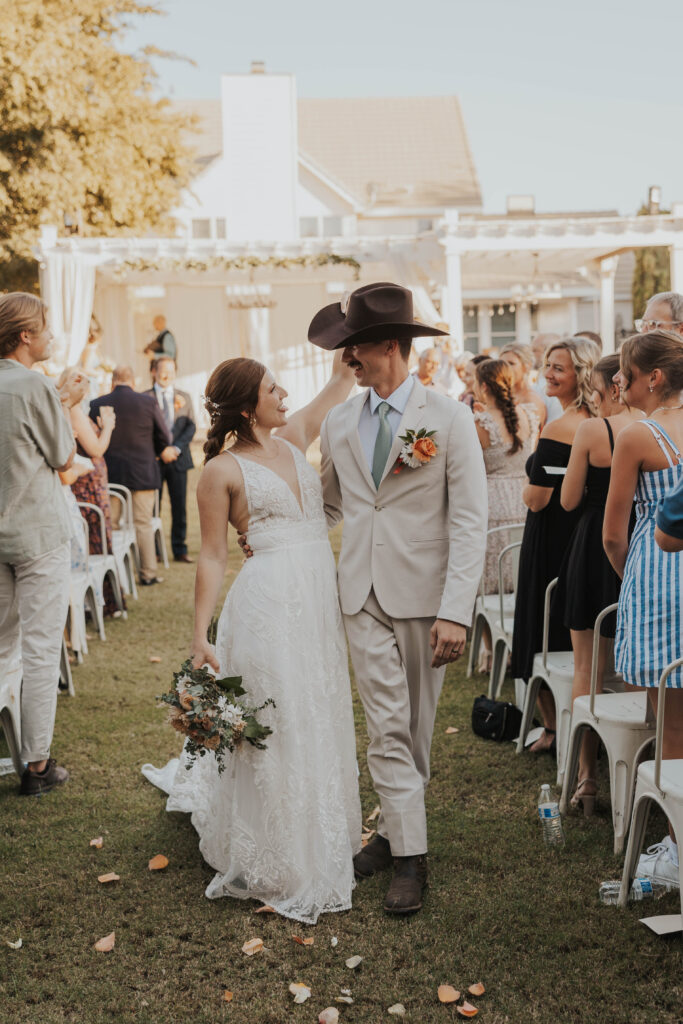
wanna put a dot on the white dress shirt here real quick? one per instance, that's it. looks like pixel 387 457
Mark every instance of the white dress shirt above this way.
pixel 368 424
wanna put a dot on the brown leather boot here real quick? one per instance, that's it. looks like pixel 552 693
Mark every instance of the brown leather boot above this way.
pixel 410 879
pixel 374 857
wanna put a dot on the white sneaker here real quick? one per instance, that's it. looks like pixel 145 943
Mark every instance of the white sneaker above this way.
pixel 658 864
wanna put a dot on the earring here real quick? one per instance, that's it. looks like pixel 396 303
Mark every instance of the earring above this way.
pixel 651 389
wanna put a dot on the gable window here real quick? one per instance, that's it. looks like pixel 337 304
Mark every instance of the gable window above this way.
pixel 220 227
pixel 332 226
pixel 201 228
pixel 308 227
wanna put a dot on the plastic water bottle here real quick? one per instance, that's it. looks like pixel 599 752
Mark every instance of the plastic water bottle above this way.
pixel 641 889
pixel 551 822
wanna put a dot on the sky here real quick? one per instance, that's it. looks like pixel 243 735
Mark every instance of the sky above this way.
pixel 578 103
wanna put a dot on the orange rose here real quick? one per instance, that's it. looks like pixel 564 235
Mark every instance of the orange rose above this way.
pixel 185 700
pixel 423 449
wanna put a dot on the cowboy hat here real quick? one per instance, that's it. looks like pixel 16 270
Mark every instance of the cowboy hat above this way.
pixel 375 312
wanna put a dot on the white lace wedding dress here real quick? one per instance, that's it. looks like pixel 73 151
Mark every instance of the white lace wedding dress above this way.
pixel 281 825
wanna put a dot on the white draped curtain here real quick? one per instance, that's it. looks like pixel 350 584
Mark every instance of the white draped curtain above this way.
pixel 68 289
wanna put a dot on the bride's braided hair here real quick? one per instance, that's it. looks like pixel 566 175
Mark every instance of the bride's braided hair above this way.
pixel 495 374
pixel 232 391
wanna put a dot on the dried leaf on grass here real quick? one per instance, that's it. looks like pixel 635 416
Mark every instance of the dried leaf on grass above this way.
pixel 329 1016
pixel 110 877
pixel 106 944
pixel 14 945
pixel 375 814
pixel 450 730
pixel 300 991
pixel 467 1010
pixel 344 999
pixel 158 863
pixel 345 991
pixel 252 946
pixel 353 962
pixel 227 996
pixel 97 843
pixel 397 1010
pixel 476 989
pixel 154 659
pixel 448 994
pixel 303 942
pixel 265 910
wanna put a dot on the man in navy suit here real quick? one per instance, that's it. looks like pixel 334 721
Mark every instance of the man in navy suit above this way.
pixel 140 438
pixel 176 408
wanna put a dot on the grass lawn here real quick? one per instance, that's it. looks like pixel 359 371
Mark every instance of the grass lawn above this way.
pixel 501 908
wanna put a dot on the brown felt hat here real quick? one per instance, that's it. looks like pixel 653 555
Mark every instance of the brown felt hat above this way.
pixel 375 312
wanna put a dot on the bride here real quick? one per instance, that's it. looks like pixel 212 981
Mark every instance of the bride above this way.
pixel 280 825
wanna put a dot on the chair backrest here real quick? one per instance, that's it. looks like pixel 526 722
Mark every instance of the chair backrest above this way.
pixel 660 718
pixel 125 496
pixel 596 650
pixel 511 552
pixel 157 507
pixel 103 526
pixel 546 619
pixel 513 532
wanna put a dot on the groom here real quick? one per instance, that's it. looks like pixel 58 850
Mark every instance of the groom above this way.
pixel 411 560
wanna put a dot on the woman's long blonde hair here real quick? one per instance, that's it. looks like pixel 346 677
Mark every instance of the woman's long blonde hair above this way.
pixel 584 354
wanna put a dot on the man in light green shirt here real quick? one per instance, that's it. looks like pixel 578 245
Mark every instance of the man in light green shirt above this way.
pixel 36 443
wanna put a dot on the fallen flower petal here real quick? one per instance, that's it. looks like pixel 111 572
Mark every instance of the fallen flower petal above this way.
pixel 334 940
pixel 303 942
pixel 265 910
pixel 353 961
pixel 477 989
pixel 106 944
pixel 448 994
pixel 154 659
pixel 375 814
pixel 14 945
pixel 450 730
pixel 252 946
pixel 398 1010
pixel 97 843
pixel 158 863
pixel 227 996
pixel 345 991
pixel 300 992
pixel 467 1010
pixel 329 1016
pixel 111 877
pixel 344 999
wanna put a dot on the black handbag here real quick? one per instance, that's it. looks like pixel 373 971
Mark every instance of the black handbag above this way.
pixel 495 719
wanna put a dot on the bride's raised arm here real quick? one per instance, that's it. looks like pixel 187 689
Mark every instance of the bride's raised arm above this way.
pixel 213 499
pixel 303 426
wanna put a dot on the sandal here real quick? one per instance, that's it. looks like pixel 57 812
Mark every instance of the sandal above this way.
pixel 584 800
pixel 551 748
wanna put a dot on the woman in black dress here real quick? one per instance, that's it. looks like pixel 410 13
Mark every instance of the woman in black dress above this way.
pixel 587 582
pixel 567 368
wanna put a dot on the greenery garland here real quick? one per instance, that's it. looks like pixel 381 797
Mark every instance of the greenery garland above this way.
pixel 198 265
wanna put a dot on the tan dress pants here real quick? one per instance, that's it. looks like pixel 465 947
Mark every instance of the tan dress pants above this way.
pixel 399 690
pixel 143 510
pixel 34 600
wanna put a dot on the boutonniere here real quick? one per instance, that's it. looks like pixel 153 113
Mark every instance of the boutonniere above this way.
pixel 418 449
pixel 177 403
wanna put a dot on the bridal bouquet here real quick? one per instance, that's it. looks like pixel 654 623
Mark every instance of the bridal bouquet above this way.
pixel 210 713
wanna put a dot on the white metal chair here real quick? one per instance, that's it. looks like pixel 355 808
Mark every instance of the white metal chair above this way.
pixel 124 541
pixel 158 527
pixel 10 708
pixel 65 678
pixel 497 611
pixel 103 567
pixel 660 783
pixel 556 669
pixel 621 721
pixel 82 594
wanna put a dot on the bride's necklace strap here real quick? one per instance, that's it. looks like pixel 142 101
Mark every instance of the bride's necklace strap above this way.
pixel 255 452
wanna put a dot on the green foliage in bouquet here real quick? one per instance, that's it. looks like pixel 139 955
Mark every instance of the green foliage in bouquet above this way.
pixel 210 713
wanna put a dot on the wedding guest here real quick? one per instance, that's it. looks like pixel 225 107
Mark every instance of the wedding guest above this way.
pixel 587 582
pixel 539 347
pixel 648 464
pixel 176 407
pixel 669 529
pixel 664 312
pixel 36 443
pixel 139 436
pixel 520 359
pixel 507 434
pixel 591 336
pixel 447 376
pixel 428 367
pixel 469 379
pixel 568 367
pixel 164 344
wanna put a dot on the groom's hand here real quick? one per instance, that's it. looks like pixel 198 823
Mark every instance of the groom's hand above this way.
pixel 447 640
pixel 244 544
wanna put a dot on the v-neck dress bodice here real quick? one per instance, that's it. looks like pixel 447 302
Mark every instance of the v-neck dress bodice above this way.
pixel 281 825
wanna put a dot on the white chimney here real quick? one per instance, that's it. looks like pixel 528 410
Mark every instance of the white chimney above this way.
pixel 260 156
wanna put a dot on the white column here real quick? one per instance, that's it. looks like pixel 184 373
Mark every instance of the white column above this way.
pixel 454 304
pixel 484 325
pixel 523 324
pixel 608 268
pixel 676 263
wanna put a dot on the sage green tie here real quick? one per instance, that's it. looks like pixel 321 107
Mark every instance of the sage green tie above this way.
pixel 382 444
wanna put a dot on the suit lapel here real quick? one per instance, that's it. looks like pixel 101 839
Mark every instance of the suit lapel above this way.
pixel 354 439
pixel 411 420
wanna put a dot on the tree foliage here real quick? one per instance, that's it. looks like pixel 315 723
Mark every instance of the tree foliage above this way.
pixel 651 273
pixel 83 139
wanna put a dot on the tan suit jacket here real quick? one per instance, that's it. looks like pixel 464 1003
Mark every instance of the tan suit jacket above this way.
pixel 419 539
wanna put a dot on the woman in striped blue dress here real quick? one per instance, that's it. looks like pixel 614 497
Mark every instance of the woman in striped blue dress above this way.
pixel 648 463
